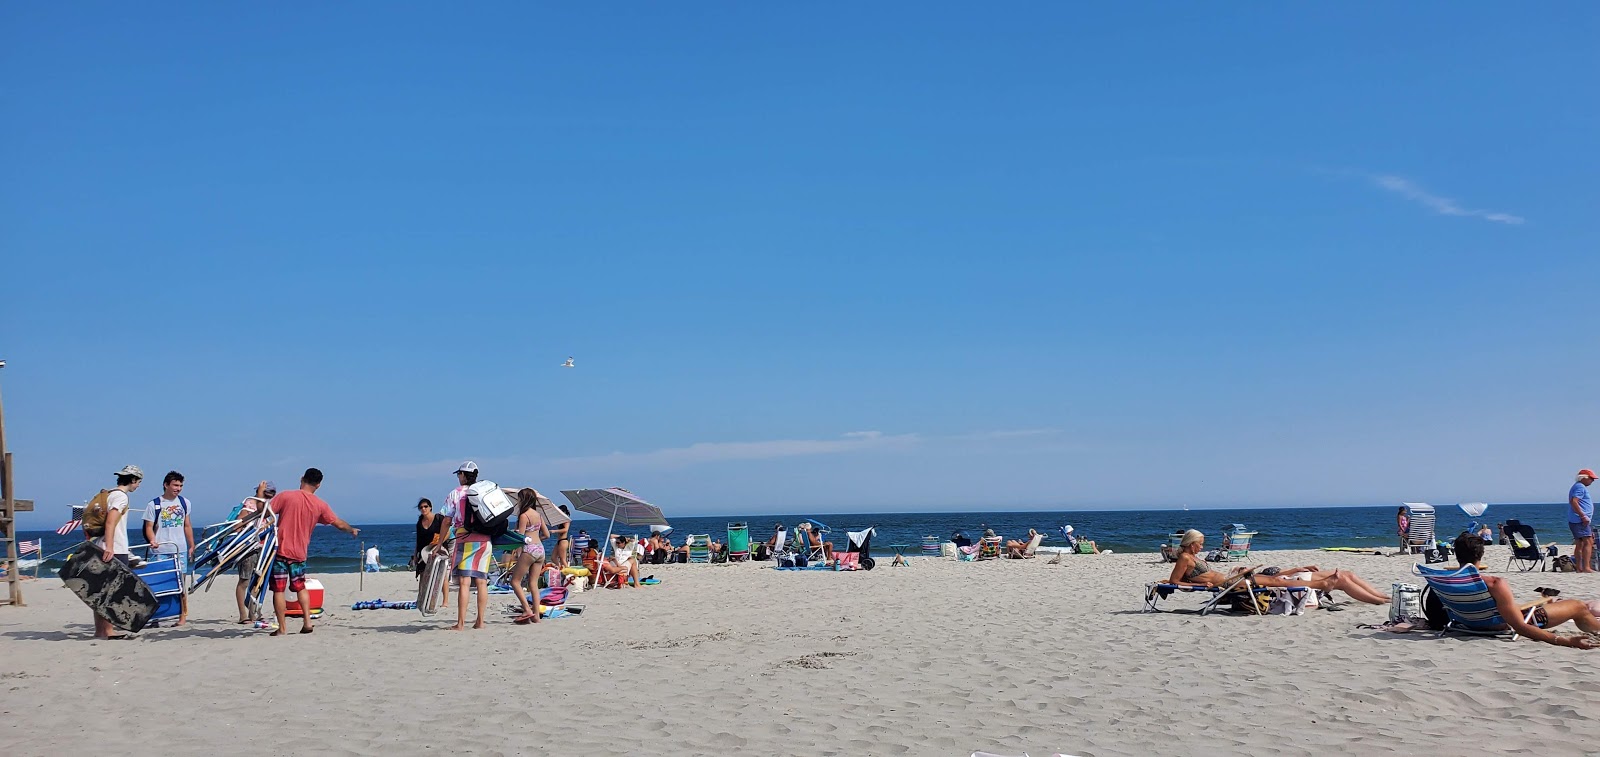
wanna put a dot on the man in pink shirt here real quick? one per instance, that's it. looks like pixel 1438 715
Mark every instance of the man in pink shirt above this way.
pixel 298 512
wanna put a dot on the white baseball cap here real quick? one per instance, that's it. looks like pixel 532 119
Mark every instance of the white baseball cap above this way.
pixel 466 467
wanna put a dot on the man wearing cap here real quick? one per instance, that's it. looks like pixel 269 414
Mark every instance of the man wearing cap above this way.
pixel 113 540
pixel 1580 520
pixel 473 553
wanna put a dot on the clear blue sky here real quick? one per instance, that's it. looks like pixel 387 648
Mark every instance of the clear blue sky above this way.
pixel 814 257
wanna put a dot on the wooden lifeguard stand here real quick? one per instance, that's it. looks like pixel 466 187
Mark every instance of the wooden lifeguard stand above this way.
pixel 8 519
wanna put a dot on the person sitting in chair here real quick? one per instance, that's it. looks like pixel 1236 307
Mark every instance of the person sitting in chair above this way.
pixel 1016 547
pixel 1190 570
pixel 813 538
pixel 1469 551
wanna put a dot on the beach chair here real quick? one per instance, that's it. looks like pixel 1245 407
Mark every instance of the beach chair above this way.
pixel 1157 591
pixel 1467 602
pixel 1173 546
pixel 580 543
pixel 700 548
pixel 1525 550
pixel 738 542
pixel 814 551
pixel 989 547
pixel 1419 532
pixel 1027 552
pixel 932 546
pixel 1236 541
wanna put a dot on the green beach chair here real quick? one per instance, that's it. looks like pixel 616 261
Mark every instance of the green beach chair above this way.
pixel 1236 541
pixel 700 548
pixel 738 542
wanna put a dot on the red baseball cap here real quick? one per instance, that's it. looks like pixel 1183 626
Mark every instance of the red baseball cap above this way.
pixel 1587 473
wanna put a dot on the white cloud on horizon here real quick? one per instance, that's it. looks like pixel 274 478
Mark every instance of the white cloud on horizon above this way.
pixel 1444 206
pixel 699 453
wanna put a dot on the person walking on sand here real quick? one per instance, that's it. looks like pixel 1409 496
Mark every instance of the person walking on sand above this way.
pixel 169 532
pixel 110 534
pixel 298 512
pixel 1581 521
pixel 252 507
pixel 473 553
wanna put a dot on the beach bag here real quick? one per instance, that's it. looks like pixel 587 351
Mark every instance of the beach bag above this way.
pixel 488 509
pixel 1437 553
pixel 1282 602
pixel 1250 602
pixel 1405 603
pixel 1562 563
pixel 94 514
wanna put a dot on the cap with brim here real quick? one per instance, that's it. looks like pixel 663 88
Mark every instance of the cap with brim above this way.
pixel 1585 473
pixel 131 470
pixel 466 467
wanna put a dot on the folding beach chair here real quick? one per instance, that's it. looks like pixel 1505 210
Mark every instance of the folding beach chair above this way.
pixel 1157 591
pixel 814 550
pixel 700 548
pixel 1419 532
pixel 1467 602
pixel 989 547
pixel 738 542
pixel 932 546
pixel 1027 552
pixel 1525 549
pixel 1236 541
pixel 1173 546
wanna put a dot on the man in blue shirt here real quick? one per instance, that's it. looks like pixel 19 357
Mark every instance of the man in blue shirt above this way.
pixel 1580 520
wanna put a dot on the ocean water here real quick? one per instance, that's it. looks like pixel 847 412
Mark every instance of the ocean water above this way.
pixel 1120 530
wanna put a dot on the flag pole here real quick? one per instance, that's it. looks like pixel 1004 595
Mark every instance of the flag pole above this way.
pixel 361 568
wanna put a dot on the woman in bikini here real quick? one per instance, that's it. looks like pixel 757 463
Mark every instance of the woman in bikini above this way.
pixel 1190 570
pixel 530 559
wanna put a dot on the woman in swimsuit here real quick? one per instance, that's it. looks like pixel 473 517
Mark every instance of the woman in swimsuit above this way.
pixel 563 555
pixel 530 559
pixel 1190 570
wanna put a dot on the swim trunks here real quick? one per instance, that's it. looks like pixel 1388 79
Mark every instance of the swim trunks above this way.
pixel 288 575
pixel 1581 530
pixel 472 559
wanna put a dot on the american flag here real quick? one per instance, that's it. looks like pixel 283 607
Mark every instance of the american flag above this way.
pixel 77 520
pixel 29 547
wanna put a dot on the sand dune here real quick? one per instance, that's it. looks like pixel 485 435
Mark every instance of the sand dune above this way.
pixel 942 658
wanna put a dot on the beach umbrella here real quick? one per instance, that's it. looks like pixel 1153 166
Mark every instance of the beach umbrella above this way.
pixel 548 511
pixel 617 504
pixel 1473 509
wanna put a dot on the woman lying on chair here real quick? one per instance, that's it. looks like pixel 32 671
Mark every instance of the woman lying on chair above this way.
pixel 1190 570
pixel 1469 551
pixel 1015 547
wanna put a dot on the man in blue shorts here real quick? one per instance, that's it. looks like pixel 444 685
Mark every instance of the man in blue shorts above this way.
pixel 1581 521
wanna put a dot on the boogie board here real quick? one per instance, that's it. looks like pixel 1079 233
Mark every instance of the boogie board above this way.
pixel 432 583
pixel 110 589
pixel 1357 550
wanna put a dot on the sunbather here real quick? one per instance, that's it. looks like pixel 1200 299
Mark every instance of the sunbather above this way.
pixel 1015 547
pixel 1469 551
pixel 1190 570
pixel 620 563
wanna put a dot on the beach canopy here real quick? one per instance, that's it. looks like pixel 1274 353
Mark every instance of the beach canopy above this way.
pixel 617 504
pixel 1474 509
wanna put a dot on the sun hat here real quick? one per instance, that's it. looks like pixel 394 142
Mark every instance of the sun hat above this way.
pixel 466 467
pixel 988 532
pixel 1191 536
pixel 131 470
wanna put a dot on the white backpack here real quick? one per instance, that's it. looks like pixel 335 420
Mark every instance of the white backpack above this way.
pixel 490 509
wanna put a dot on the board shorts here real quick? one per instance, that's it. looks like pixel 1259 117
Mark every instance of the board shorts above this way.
pixel 472 559
pixel 1581 530
pixel 288 575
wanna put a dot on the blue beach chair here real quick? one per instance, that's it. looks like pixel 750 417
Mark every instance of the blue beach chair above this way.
pixel 1466 600
pixel 1157 591
pixel 700 548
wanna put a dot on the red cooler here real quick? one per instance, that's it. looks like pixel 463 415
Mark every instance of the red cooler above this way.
pixel 314 590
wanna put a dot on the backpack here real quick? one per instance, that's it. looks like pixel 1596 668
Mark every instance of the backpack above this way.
pixel 488 509
pixel 94 514
pixel 1250 602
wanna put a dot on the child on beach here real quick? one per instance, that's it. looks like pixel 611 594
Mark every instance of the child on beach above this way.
pixel 530 559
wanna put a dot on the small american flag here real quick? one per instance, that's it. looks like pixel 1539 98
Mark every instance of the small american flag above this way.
pixel 29 547
pixel 77 520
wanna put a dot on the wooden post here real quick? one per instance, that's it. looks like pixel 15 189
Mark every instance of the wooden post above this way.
pixel 8 519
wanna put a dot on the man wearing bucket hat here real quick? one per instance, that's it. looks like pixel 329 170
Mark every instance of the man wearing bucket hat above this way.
pixel 1581 521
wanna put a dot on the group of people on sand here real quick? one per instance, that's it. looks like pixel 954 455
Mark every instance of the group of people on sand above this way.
pixel 1191 570
pixel 169 533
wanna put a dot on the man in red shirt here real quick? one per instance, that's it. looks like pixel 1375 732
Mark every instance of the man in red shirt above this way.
pixel 298 512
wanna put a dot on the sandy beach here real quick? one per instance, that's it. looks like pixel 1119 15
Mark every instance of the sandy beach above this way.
pixel 942 658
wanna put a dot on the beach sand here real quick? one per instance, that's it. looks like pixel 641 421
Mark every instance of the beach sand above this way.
pixel 941 658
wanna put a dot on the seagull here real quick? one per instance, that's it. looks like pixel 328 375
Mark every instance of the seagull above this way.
pixel 568 364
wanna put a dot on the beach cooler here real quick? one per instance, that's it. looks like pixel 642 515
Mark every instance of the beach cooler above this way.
pixel 314 590
pixel 166 583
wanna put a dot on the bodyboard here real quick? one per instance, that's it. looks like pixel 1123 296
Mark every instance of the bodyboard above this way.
pixel 432 584
pixel 111 590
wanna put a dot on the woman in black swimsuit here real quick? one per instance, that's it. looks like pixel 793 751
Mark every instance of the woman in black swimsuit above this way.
pixel 428 526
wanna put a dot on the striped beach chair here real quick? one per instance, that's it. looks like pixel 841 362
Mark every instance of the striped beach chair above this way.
pixel 1467 601
pixel 1236 541
pixel 700 548
pixel 931 546
pixel 1419 531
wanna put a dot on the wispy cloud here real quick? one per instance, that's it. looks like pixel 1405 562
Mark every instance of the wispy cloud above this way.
pixel 1442 205
pixel 700 453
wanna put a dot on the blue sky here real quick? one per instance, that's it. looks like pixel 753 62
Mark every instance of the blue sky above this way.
pixel 816 257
